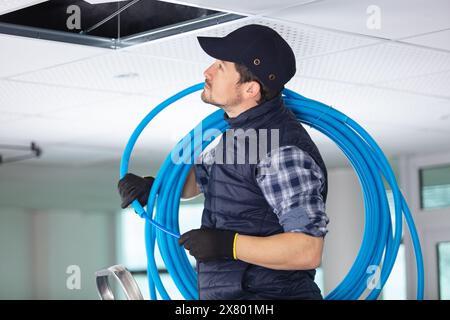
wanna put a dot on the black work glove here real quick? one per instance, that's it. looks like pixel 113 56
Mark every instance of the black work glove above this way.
pixel 209 244
pixel 133 187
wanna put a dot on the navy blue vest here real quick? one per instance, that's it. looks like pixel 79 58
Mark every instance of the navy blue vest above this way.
pixel 234 201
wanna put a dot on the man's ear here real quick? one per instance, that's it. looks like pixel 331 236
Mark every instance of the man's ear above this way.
pixel 253 88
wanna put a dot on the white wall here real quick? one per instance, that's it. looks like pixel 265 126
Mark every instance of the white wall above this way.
pixel 15 254
pixel 37 247
pixel 55 216
pixel 346 212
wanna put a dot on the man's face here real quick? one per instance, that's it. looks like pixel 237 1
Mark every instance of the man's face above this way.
pixel 221 88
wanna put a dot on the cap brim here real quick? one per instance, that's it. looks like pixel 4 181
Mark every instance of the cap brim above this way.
pixel 216 48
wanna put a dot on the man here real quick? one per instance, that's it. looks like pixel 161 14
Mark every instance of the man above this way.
pixel 264 222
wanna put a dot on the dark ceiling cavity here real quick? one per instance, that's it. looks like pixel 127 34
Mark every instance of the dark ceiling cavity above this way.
pixel 113 24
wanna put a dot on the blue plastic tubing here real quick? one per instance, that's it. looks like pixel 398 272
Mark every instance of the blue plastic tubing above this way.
pixel 380 243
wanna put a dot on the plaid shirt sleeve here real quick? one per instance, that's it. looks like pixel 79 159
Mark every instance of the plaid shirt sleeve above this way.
pixel 291 182
pixel 202 169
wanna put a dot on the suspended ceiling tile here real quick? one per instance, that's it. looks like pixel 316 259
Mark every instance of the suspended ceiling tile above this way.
pixel 440 113
pixel 50 127
pixel 34 99
pixel 433 84
pixel 395 139
pixel 40 129
pixel 376 63
pixel 111 123
pixel 184 46
pixel 439 40
pixel 19 55
pixel 305 41
pixel 398 19
pixel 9 116
pixel 328 92
pixel 120 72
pixel 367 104
pixel 14 5
pixel 242 7
pixel 110 120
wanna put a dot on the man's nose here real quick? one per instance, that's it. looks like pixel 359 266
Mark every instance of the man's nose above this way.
pixel 208 72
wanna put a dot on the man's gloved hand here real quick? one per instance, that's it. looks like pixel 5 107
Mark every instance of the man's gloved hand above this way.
pixel 133 187
pixel 210 244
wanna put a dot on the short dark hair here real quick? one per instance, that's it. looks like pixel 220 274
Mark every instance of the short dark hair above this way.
pixel 245 75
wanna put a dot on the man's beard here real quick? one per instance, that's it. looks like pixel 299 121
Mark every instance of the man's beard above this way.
pixel 208 99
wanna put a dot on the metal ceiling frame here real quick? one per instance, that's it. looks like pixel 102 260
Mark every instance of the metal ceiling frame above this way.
pixel 113 43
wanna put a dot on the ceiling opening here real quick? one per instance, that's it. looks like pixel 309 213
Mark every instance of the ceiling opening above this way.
pixel 112 24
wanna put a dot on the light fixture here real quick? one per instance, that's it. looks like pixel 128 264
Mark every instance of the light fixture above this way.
pixel 126 75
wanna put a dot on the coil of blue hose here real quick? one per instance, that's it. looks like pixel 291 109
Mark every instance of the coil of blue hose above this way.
pixel 380 242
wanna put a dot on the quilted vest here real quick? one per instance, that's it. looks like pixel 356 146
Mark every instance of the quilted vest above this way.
pixel 234 201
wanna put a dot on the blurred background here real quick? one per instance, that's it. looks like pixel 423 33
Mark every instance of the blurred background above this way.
pixel 76 78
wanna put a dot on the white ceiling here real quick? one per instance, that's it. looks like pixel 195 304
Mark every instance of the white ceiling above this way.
pixel 79 105
pixel 399 18
pixel 7 6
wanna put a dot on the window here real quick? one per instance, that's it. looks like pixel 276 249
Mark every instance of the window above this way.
pixel 443 250
pixel 319 280
pixel 390 197
pixel 395 286
pixel 132 247
pixel 435 187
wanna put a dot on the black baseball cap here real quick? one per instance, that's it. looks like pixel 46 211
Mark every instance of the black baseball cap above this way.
pixel 260 48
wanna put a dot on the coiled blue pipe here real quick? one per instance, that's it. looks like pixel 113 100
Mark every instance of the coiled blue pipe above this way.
pixel 380 242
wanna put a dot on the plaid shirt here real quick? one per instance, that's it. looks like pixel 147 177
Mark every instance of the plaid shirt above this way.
pixel 291 182
pixel 293 190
